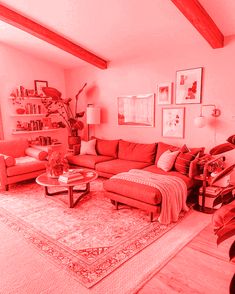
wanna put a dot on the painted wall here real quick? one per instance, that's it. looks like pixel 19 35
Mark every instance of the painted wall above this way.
pixel 141 75
pixel 18 68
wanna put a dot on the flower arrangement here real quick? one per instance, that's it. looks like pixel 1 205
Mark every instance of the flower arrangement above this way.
pixel 56 165
pixel 62 106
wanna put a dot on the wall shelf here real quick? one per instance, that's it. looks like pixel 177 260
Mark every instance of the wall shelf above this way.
pixel 37 131
pixel 29 115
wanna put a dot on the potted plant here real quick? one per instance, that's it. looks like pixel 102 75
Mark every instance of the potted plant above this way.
pixel 62 106
pixel 224 228
pixel 56 165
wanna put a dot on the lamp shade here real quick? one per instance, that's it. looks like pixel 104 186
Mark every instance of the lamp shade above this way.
pixel 93 115
pixel 200 121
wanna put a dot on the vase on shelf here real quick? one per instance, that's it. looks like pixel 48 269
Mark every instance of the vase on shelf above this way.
pixel 73 140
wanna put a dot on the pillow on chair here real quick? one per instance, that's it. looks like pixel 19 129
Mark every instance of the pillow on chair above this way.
pixel 36 153
pixel 88 147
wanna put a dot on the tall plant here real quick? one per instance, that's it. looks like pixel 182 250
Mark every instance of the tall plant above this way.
pixel 224 228
pixel 62 106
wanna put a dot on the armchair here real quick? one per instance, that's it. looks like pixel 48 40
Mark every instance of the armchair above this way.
pixel 18 162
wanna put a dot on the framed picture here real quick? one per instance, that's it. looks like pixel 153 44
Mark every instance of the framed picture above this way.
pixel 136 110
pixel 164 93
pixel 188 86
pixel 173 122
pixel 38 85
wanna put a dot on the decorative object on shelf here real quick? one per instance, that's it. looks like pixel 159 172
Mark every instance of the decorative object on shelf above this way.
pixel 38 87
pixel 92 117
pixel 62 107
pixel 188 86
pixel 164 93
pixel 56 165
pixel 173 122
pixel 136 110
pixel 200 121
pixel 20 110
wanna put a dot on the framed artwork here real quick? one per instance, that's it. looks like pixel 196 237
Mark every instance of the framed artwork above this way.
pixel 136 110
pixel 38 85
pixel 188 86
pixel 164 93
pixel 173 122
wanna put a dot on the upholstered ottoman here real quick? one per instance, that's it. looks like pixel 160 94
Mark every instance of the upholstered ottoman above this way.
pixel 134 194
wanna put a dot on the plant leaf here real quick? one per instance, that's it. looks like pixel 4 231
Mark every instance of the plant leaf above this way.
pixel 232 251
pixel 232 285
pixel 223 216
pixel 226 232
pixel 80 114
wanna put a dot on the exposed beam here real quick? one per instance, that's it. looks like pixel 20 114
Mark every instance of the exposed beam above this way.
pixel 201 20
pixel 13 18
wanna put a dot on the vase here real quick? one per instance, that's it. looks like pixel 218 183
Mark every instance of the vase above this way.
pixel 73 140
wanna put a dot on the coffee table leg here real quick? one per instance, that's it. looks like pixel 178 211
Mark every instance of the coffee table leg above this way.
pixel 70 192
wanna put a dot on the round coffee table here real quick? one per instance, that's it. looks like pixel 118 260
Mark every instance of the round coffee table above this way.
pixel 88 177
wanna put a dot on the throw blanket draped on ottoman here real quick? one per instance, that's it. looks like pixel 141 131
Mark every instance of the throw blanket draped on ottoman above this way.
pixel 173 190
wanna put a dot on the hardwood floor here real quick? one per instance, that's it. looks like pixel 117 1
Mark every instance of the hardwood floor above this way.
pixel 200 267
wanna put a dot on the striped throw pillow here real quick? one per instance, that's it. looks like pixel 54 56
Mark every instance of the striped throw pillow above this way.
pixel 167 160
pixel 183 161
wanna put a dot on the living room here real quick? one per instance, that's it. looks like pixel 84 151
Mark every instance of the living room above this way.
pixel 145 45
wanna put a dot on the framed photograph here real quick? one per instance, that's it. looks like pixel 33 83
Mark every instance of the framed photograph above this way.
pixel 164 93
pixel 188 86
pixel 38 85
pixel 136 110
pixel 173 122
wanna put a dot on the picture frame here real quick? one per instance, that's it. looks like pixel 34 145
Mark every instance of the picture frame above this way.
pixel 188 86
pixel 173 122
pixel 38 85
pixel 136 110
pixel 164 93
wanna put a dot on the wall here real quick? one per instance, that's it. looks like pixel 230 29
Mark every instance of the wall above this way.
pixel 141 75
pixel 18 68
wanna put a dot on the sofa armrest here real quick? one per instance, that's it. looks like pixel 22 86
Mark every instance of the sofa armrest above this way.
pixel 193 168
pixel 9 160
pixel 3 174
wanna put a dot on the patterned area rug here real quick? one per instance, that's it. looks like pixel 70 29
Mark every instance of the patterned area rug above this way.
pixel 91 240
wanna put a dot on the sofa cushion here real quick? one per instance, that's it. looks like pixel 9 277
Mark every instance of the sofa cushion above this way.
pixel 137 191
pixel 167 159
pixel 36 153
pixel 87 160
pixel 14 148
pixel 24 165
pixel 107 147
pixel 9 160
pixel 116 166
pixel 136 151
pixel 163 147
pixel 88 147
pixel 154 169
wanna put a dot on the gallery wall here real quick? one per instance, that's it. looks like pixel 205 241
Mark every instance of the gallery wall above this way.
pixel 18 68
pixel 142 75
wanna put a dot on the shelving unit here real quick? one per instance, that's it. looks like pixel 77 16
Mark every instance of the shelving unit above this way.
pixel 36 131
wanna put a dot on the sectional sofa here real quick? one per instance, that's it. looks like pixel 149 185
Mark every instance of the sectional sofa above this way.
pixel 112 157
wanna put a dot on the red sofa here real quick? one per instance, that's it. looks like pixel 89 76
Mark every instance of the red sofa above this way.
pixel 117 156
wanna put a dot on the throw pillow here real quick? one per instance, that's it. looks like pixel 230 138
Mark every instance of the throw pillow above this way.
pixel 162 147
pixel 167 160
pixel 9 160
pixel 183 161
pixel 36 153
pixel 231 139
pixel 107 147
pixel 88 147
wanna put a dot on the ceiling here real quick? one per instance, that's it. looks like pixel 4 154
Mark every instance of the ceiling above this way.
pixel 112 29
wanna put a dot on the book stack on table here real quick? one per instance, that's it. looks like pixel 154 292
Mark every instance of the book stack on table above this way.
pixel 70 176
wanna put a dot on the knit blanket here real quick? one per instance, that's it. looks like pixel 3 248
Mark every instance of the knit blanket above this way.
pixel 172 188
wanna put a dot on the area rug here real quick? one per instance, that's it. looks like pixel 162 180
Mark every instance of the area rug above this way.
pixel 89 241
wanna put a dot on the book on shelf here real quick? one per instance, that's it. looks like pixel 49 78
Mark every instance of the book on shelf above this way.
pixel 212 190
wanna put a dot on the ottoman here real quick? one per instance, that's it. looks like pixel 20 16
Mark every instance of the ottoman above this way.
pixel 134 194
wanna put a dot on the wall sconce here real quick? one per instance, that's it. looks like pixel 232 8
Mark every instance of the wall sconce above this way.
pixel 200 121
pixel 92 117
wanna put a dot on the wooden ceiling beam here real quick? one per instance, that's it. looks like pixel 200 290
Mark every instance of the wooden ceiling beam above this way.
pixel 201 20
pixel 13 18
